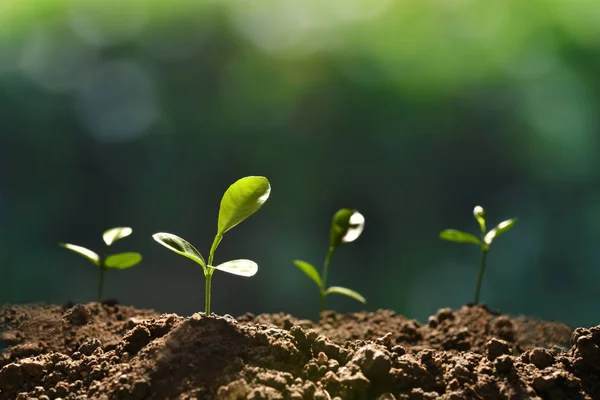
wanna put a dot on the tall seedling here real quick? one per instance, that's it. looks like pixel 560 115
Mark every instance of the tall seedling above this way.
pixel 241 200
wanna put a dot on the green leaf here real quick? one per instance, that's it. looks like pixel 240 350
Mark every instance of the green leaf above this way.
pixel 82 251
pixel 479 214
pixel 310 271
pixel 114 234
pixel 238 267
pixel 345 292
pixel 453 235
pixel 499 229
pixel 179 246
pixel 122 260
pixel 346 227
pixel 241 200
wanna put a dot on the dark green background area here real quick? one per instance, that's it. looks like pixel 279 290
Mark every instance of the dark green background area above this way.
pixel 411 112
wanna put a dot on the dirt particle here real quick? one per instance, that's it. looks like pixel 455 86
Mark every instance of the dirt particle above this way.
pixel 89 346
pixel 78 315
pixel 541 358
pixel 136 338
pixel 235 390
pixel 496 348
pixel 503 364
pixel 373 361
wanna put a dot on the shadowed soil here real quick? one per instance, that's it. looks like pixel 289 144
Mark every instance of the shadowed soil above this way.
pixel 100 351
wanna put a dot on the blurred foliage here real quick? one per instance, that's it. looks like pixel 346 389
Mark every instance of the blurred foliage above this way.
pixel 140 113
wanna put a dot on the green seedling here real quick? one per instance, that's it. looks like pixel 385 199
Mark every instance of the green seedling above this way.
pixel 346 227
pixel 484 243
pixel 241 200
pixel 113 261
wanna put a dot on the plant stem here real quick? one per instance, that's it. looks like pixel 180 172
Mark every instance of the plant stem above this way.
pixel 101 282
pixel 208 279
pixel 324 275
pixel 480 276
pixel 208 273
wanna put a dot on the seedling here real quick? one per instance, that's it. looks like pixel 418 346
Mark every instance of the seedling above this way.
pixel 484 243
pixel 346 227
pixel 114 261
pixel 241 200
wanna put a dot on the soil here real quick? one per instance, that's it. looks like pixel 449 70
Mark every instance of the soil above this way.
pixel 108 351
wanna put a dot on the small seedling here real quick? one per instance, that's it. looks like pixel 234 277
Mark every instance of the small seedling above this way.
pixel 113 261
pixel 346 227
pixel 484 243
pixel 241 200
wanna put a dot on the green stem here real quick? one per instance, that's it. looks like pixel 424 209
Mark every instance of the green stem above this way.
pixel 324 275
pixel 208 272
pixel 208 279
pixel 101 282
pixel 480 276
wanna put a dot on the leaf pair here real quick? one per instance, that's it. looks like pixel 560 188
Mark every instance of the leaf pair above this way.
pixel 486 240
pixel 184 248
pixel 114 261
pixel 346 226
pixel 312 273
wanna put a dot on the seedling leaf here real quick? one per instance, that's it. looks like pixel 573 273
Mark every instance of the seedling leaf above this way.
pixel 242 199
pixel 310 271
pixel 453 235
pixel 82 251
pixel 479 214
pixel 499 229
pixel 179 246
pixel 122 260
pixel 345 292
pixel 114 234
pixel 346 227
pixel 238 267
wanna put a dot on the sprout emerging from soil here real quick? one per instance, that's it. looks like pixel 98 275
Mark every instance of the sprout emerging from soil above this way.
pixel 346 227
pixel 484 243
pixel 245 197
pixel 114 261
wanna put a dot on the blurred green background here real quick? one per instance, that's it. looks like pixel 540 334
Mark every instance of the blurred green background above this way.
pixel 141 113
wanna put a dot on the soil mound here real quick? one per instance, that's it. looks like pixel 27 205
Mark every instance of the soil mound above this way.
pixel 104 351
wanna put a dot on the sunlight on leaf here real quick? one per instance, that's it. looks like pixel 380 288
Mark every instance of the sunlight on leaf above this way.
pixel 345 292
pixel 453 235
pixel 114 234
pixel 238 267
pixel 179 246
pixel 310 271
pixel 82 251
pixel 122 260
pixel 346 227
pixel 242 199
pixel 498 230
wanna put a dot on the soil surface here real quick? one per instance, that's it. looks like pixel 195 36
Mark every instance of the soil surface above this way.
pixel 104 351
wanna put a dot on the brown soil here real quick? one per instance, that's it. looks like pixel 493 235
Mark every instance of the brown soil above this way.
pixel 96 351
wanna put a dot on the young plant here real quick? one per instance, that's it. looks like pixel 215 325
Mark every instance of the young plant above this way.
pixel 484 243
pixel 104 262
pixel 241 200
pixel 346 227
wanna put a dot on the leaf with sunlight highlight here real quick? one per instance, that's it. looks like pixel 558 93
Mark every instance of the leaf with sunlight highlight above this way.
pixel 346 227
pixel 345 292
pixel 238 267
pixel 82 251
pixel 242 199
pixel 502 227
pixel 179 246
pixel 114 234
